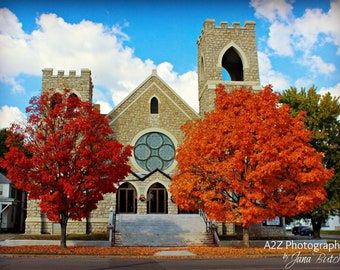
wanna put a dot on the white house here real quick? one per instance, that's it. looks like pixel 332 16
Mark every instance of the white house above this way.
pixel 332 224
pixel 12 201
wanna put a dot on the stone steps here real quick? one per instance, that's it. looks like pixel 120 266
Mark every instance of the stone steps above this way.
pixel 161 230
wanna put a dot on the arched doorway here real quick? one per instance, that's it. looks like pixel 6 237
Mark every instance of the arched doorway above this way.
pixel 157 202
pixel 126 199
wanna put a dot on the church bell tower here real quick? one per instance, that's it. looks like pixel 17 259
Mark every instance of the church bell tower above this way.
pixel 226 55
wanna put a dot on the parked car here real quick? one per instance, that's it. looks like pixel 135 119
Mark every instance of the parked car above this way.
pixel 302 230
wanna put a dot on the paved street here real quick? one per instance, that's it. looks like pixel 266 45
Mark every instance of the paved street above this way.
pixel 96 263
pixel 9 262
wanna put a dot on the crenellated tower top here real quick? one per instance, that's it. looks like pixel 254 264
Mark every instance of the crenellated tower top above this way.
pixel 209 24
pixel 81 85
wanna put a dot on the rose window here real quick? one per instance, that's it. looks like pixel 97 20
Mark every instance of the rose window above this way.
pixel 153 151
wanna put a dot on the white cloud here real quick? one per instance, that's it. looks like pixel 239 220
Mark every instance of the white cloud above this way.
pixel 307 28
pixel 317 65
pixel 272 9
pixel 280 39
pixel 187 83
pixel 333 23
pixel 105 107
pixel 303 33
pixel 10 24
pixel 303 83
pixel 315 28
pixel 334 91
pixel 299 39
pixel 15 86
pixel 63 46
pixel 269 76
pixel 9 115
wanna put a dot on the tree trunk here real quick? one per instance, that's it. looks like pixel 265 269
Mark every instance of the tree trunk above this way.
pixel 316 223
pixel 246 237
pixel 88 225
pixel 63 226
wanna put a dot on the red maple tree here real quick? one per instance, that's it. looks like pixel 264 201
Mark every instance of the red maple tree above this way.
pixel 69 158
pixel 248 160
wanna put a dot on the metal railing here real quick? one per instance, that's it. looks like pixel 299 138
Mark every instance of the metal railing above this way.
pixel 112 227
pixel 210 226
pixel 207 222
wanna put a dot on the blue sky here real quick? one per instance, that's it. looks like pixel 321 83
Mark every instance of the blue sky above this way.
pixel 298 44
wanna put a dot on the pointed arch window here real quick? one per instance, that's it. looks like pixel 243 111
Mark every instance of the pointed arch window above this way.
pixel 232 63
pixel 154 106
pixel 56 99
pixel 73 103
pixel 73 95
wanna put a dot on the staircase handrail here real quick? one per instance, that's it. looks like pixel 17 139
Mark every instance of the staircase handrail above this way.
pixel 208 224
pixel 112 227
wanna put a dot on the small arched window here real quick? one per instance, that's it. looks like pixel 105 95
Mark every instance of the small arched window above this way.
pixel 56 99
pixel 73 95
pixel 154 105
pixel 73 103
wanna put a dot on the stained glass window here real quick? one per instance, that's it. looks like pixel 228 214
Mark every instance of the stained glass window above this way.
pixel 153 151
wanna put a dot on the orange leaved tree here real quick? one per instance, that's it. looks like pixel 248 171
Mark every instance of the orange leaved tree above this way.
pixel 69 158
pixel 248 160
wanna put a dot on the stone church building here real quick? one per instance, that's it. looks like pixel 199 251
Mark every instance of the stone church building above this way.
pixel 149 119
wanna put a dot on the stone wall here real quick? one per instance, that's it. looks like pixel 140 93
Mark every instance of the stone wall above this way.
pixel 133 115
pixel 259 230
pixel 255 230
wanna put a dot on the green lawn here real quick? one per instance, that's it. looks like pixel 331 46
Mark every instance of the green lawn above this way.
pixel 95 236
pixel 330 232
pixel 327 232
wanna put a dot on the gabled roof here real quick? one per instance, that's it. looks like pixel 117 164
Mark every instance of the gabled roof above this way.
pixel 140 90
pixel 143 176
pixel 4 179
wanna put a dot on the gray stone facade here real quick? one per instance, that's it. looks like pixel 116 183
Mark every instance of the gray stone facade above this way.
pixel 130 120
pixel 219 47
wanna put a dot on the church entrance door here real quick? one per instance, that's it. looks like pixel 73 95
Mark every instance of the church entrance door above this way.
pixel 126 199
pixel 157 199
